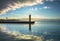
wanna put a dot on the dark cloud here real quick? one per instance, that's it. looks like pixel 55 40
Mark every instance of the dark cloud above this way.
pixel 6 5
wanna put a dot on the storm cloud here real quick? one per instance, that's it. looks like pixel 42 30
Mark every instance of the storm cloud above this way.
pixel 6 5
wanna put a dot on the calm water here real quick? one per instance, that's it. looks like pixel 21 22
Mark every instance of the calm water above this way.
pixel 47 29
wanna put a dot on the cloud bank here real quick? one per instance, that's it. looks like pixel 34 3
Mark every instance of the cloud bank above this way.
pixel 6 5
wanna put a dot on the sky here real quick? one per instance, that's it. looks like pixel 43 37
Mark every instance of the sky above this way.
pixel 37 8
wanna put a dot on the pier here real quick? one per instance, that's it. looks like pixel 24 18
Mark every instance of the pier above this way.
pixel 18 22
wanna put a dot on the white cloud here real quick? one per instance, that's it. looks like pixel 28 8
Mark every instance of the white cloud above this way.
pixel 42 2
pixel 46 7
pixel 50 0
pixel 34 9
pixel 18 4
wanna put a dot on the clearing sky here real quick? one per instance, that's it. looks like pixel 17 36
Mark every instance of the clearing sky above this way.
pixel 37 8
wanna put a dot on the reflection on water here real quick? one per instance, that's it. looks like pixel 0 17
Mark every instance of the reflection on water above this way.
pixel 48 30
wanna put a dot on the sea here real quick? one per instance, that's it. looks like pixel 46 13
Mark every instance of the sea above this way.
pixel 48 29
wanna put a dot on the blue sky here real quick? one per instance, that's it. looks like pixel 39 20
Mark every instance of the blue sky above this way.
pixel 47 9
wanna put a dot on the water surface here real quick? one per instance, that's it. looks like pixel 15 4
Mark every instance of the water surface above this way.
pixel 46 29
